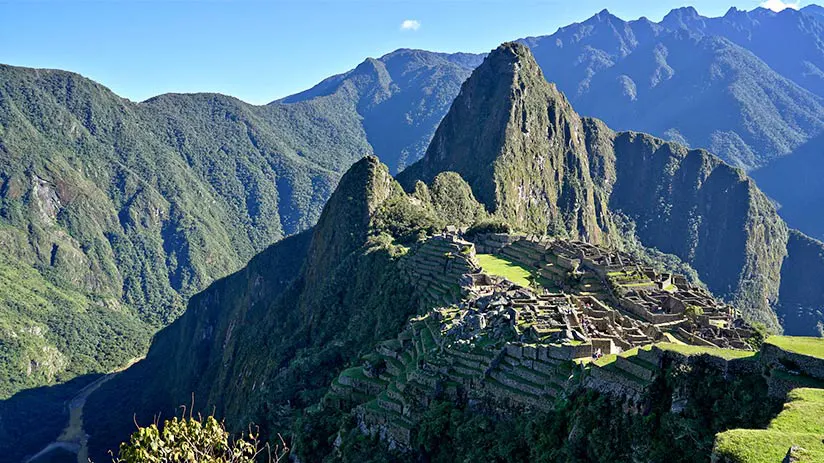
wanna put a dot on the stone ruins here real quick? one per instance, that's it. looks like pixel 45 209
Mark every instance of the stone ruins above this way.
pixel 589 318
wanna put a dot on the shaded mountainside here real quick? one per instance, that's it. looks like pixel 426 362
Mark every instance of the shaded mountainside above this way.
pixel 794 183
pixel 801 307
pixel 401 97
pixel 312 303
pixel 131 208
pixel 547 170
pixel 757 30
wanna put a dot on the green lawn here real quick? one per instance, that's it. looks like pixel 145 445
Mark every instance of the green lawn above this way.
pixel 801 423
pixel 762 446
pixel 610 358
pixel 499 266
pixel 803 412
pixel 726 354
pixel 814 347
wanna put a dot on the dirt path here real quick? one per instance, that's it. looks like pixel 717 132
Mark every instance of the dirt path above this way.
pixel 73 438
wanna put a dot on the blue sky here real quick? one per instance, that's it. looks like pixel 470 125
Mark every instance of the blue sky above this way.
pixel 259 51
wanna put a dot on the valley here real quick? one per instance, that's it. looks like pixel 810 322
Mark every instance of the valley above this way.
pixel 595 245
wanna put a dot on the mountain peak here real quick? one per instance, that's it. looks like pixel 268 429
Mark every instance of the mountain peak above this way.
pixel 344 223
pixel 518 123
pixel 682 18
pixel 602 16
pixel 509 52
pixel 682 13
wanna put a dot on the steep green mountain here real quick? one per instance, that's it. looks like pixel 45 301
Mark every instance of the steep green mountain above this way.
pixel 541 167
pixel 131 208
pixel 127 209
pixel 400 97
pixel 311 302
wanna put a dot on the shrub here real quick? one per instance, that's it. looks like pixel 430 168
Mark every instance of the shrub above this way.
pixel 190 440
pixel 491 225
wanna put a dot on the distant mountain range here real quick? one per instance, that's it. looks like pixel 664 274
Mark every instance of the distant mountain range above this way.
pixel 121 211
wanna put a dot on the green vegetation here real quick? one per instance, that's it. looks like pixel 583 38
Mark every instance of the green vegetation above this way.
pixel 489 225
pixel 587 426
pixel 313 296
pixel 801 424
pixel 756 446
pixel 453 200
pixel 502 267
pixel 726 354
pixel 51 332
pixel 190 440
pixel 813 347
pixel 137 206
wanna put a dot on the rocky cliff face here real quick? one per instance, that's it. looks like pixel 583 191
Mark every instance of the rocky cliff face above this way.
pixel 689 203
pixel 538 165
pixel 801 307
pixel 517 141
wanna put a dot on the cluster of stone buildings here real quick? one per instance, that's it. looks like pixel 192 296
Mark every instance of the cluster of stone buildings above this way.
pixel 646 300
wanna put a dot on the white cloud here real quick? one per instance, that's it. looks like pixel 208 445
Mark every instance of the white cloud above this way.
pixel 778 5
pixel 410 25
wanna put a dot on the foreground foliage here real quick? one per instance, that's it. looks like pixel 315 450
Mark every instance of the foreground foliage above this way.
pixel 190 440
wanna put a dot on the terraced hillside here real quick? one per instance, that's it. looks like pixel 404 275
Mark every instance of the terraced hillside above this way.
pixel 796 433
pixel 268 343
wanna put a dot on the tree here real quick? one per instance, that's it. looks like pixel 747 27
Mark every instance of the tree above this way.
pixel 191 440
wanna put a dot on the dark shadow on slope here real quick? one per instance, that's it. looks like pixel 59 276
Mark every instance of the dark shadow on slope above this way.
pixel 796 182
pixel 32 419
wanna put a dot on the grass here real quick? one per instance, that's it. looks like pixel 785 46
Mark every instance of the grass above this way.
pixel 761 446
pixel 801 423
pixel 605 360
pixel 803 412
pixel 499 266
pixel 726 354
pixel 610 358
pixel 813 347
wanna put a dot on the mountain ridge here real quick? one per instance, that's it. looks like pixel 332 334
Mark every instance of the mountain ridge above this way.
pixel 199 184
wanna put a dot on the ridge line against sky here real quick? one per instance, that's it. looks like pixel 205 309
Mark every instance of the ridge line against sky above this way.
pixel 262 51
